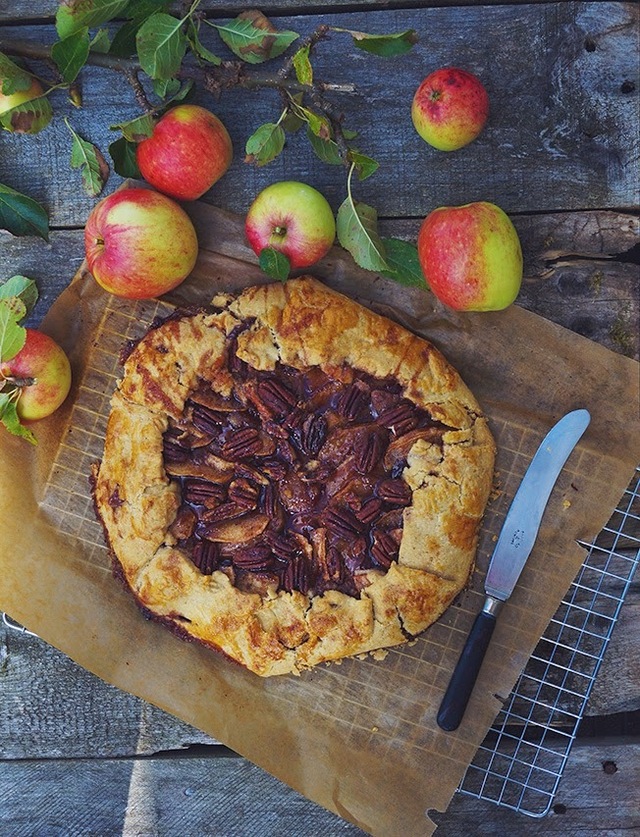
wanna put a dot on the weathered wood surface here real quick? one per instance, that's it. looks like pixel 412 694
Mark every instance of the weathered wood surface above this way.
pixel 561 135
pixel 204 794
pixel 560 155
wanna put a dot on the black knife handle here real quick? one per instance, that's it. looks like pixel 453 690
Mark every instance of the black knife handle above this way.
pixel 456 698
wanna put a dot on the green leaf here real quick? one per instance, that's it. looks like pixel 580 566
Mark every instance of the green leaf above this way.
pixel 136 129
pixel 357 230
pixel 137 11
pixel 12 335
pixel 327 150
pixel 302 65
pixel 14 78
pixel 318 124
pixel 274 264
pixel 198 48
pixel 254 44
pixel 365 166
pixel 28 118
pixel 73 15
pixel 404 265
pixel 161 45
pixel 123 154
pixel 16 306
pixel 71 53
pixel 21 215
pixel 291 122
pixel 22 287
pixel 9 417
pixel 385 46
pixel 90 160
pixel 101 41
pixel 164 87
pixel 265 144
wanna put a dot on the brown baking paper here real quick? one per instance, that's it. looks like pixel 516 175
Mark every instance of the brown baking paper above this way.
pixel 359 737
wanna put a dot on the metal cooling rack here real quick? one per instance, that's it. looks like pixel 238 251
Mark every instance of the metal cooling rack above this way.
pixel 520 763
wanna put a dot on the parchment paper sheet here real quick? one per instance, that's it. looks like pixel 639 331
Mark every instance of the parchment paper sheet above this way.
pixel 359 738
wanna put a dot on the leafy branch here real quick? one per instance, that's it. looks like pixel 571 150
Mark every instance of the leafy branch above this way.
pixel 163 55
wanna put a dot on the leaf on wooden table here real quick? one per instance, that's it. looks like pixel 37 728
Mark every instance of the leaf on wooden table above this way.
pixel 123 154
pixel 385 46
pixel 9 417
pixel 253 38
pixel 21 215
pixel 265 144
pixel 12 335
pixel 137 11
pixel 292 121
pixel 326 149
pixel 365 166
pixel 101 41
pixel 318 123
pixel 89 159
pixel 302 65
pixel 28 118
pixel 21 287
pixel 403 262
pixel 73 15
pixel 16 306
pixel 274 263
pixel 161 45
pixel 198 48
pixel 14 78
pixel 357 229
pixel 71 53
pixel 136 129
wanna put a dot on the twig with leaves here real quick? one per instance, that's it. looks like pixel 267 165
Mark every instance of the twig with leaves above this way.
pixel 162 56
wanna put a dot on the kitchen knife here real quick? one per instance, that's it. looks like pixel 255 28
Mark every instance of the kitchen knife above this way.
pixel 518 535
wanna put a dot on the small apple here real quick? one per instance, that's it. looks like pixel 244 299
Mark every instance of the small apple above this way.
pixel 294 219
pixel 189 150
pixel 139 244
pixel 471 256
pixel 42 371
pixel 450 108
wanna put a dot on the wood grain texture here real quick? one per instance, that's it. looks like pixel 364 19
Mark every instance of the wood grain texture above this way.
pixel 214 795
pixel 561 134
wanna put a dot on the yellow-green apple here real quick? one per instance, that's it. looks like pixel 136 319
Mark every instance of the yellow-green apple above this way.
pixel 139 243
pixel 450 108
pixel 471 256
pixel 293 218
pixel 188 151
pixel 42 372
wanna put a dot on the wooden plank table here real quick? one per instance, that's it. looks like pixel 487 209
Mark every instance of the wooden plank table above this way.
pixel 560 155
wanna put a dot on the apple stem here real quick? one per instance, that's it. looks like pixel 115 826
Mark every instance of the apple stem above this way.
pixel 19 382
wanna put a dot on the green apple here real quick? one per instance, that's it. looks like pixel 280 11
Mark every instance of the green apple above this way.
pixel 294 219
pixel 42 372
pixel 471 256
pixel 139 243
pixel 450 108
pixel 189 150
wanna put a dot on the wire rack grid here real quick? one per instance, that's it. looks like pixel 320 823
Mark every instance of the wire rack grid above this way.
pixel 520 763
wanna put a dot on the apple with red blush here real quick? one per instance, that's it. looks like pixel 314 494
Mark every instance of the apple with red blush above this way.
pixel 471 256
pixel 189 150
pixel 293 218
pixel 139 243
pixel 450 108
pixel 41 374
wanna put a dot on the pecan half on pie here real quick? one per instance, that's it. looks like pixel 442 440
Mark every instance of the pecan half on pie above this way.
pixel 292 479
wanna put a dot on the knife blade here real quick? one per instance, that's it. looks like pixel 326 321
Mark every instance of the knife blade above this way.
pixel 517 537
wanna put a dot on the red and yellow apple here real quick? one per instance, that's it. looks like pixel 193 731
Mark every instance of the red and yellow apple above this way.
pixel 294 219
pixel 42 373
pixel 189 151
pixel 450 108
pixel 471 256
pixel 139 243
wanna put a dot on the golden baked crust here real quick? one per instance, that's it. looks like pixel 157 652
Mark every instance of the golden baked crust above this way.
pixel 261 611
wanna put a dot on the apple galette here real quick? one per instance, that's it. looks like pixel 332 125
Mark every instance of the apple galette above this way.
pixel 291 479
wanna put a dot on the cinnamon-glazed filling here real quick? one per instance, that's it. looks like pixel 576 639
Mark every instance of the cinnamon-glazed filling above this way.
pixel 294 482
